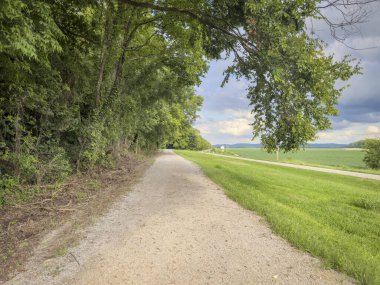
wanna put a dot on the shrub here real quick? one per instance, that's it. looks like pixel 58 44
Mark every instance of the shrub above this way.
pixel 53 164
pixel 372 156
pixel 94 146
pixel 8 185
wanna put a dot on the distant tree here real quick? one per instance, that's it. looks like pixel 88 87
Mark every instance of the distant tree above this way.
pixel 372 156
pixel 358 144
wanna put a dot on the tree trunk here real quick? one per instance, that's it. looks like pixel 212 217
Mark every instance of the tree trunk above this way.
pixel 106 44
pixel 17 148
pixel 121 60
pixel 137 145
pixel 128 35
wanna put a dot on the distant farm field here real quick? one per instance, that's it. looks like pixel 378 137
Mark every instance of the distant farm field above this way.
pixel 342 158
pixel 335 217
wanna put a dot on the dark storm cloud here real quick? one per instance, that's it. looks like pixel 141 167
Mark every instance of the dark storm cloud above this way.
pixel 366 113
pixel 361 101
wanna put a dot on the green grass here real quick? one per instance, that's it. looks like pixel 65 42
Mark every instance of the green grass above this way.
pixel 334 217
pixel 339 158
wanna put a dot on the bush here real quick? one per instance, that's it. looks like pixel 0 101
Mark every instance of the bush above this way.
pixel 94 146
pixel 53 164
pixel 372 156
pixel 8 185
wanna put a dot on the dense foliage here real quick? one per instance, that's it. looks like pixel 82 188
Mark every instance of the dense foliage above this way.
pixel 372 153
pixel 82 79
pixel 292 81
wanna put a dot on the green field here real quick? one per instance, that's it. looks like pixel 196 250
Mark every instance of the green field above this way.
pixel 340 158
pixel 334 217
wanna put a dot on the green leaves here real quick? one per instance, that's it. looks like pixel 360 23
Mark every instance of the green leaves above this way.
pixel 28 30
pixel 372 156
pixel 292 88
pixel 89 74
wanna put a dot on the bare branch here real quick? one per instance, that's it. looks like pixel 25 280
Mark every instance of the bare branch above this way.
pixel 352 13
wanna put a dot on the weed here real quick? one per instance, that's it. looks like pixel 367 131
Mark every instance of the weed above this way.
pixel 61 251
pixel 93 184
pixel 80 195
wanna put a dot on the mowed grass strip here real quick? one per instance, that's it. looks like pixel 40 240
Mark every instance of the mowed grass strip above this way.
pixel 334 217
pixel 340 158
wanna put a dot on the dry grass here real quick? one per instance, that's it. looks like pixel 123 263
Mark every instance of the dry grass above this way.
pixel 73 204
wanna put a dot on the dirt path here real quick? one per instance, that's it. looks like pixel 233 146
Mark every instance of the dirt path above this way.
pixel 177 227
pixel 321 169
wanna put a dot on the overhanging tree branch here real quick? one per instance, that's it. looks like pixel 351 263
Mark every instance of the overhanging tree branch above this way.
pixel 204 19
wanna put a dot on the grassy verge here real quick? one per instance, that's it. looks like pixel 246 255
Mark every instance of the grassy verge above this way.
pixel 331 216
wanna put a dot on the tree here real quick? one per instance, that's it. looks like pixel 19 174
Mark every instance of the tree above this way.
pixel 372 153
pixel 357 144
pixel 292 89
pixel 81 79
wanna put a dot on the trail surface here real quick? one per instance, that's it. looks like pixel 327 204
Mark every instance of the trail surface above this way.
pixel 315 168
pixel 178 227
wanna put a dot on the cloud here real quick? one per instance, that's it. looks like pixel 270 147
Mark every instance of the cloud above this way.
pixel 368 27
pixel 239 113
pixel 373 130
pixel 352 132
pixel 236 127
pixel 217 99
pixel 338 124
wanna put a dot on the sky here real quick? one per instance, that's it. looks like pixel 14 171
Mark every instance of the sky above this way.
pixel 225 116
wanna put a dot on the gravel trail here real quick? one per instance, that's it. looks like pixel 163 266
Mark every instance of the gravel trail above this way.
pixel 178 227
pixel 315 168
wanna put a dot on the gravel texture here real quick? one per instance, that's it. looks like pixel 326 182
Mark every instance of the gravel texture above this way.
pixel 178 227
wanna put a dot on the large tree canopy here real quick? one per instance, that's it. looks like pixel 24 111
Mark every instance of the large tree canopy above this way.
pixel 81 78
pixel 292 81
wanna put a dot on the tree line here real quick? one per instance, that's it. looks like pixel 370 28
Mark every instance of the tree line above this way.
pixel 80 79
